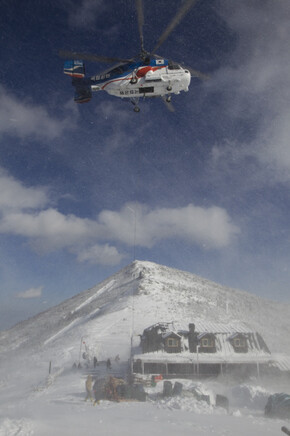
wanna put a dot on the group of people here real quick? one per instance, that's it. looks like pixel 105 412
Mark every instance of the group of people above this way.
pixel 106 388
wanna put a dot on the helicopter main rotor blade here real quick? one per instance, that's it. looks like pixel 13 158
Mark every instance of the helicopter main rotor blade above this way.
pixel 140 15
pixel 176 20
pixel 90 57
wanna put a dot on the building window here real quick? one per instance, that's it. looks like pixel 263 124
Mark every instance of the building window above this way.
pixel 239 343
pixel 172 342
pixel 207 342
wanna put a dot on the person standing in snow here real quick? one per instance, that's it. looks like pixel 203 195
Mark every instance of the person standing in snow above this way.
pixel 89 388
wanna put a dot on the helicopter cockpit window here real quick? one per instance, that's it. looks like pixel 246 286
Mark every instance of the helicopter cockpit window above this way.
pixel 172 66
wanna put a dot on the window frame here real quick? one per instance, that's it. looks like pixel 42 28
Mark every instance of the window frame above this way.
pixel 207 342
pixel 239 342
pixel 172 342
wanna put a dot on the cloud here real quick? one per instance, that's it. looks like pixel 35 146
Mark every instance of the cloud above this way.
pixel 14 195
pixel 26 212
pixel 22 119
pixel 256 85
pixel 49 228
pixel 100 254
pixel 31 293
pixel 85 14
pixel 208 227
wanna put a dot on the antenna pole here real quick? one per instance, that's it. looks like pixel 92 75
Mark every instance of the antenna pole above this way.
pixel 134 233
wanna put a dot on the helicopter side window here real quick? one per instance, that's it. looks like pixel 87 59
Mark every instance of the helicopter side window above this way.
pixel 118 70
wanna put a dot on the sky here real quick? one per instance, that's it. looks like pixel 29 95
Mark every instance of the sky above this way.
pixel 86 189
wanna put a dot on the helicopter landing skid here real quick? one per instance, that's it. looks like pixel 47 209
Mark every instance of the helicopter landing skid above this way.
pixel 135 101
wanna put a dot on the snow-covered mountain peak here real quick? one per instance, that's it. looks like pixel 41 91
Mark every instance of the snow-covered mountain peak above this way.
pixel 143 293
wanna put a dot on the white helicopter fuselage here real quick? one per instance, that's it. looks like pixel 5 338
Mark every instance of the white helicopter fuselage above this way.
pixel 146 81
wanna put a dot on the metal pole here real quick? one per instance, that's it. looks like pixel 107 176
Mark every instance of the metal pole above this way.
pixel 258 370
pixel 81 348
pixel 133 320
pixel 134 234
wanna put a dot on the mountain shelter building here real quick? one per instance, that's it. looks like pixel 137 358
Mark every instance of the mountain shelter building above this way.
pixel 204 349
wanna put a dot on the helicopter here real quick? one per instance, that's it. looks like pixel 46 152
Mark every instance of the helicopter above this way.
pixel 144 76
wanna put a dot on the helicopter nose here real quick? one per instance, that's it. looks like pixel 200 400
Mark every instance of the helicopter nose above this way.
pixel 187 78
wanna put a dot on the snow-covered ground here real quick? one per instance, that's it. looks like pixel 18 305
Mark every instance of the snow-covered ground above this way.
pixel 57 407
pixel 100 322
